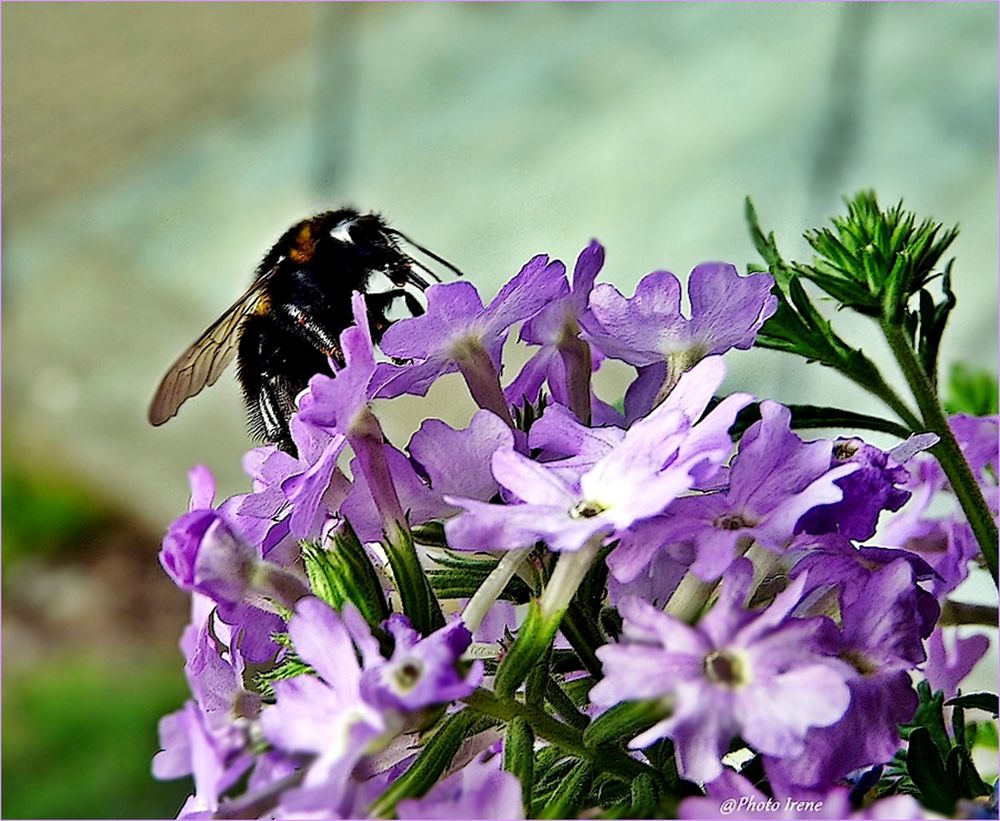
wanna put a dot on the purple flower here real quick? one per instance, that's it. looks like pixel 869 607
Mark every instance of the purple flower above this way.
pixel 879 644
pixel 656 574
pixel 833 563
pixel 217 681
pixel 418 502
pixel 564 360
pixel 324 715
pixel 337 715
pixel 190 748
pixel 567 507
pixel 293 495
pixel 761 675
pixel 201 553
pixel 204 552
pixel 479 790
pixel 650 332
pixel 337 402
pixel 316 488
pixel 208 737
pixel 458 333
pixel 774 479
pixel 458 461
pixel 422 671
pixel 978 438
pixel 341 403
pixel 945 542
pixel 455 461
pixel 867 492
pixel 945 539
pixel 950 661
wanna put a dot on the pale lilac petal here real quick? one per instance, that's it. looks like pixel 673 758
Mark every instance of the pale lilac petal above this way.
pixel 727 310
pixel 419 502
pixel 537 284
pixel 781 521
pixel 322 641
pixel 452 307
pixel 531 482
pixel 202 484
pixel 458 462
pixel 304 715
pixel 560 433
pixel 949 662
pixel 776 717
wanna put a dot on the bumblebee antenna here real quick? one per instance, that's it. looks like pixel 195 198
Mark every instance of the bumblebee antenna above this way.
pixel 416 279
pixel 431 254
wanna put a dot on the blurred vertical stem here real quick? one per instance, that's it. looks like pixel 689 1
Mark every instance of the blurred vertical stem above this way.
pixel 947 451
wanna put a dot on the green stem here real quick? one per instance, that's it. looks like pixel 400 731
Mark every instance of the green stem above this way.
pixel 947 451
pixel 956 613
pixel 491 588
pixel 545 614
pixel 883 391
pixel 555 732
pixel 689 599
pixel 583 636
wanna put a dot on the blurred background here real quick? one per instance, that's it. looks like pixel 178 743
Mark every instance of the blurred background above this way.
pixel 152 153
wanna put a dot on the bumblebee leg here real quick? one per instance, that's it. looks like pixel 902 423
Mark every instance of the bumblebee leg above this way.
pixel 293 319
pixel 276 403
pixel 381 302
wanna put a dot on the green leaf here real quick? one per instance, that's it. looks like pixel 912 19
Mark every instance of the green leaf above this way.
pixel 563 705
pixel 798 327
pixel 424 772
pixel 459 577
pixel 346 574
pixel 623 722
pixel 644 797
pixel 926 324
pixel 767 248
pixel 289 667
pixel 805 417
pixel 533 639
pixel 519 755
pixel 552 766
pixel 930 716
pixel 566 801
pixel 977 701
pixel 419 602
pixel 927 771
pixel 874 260
pixel 584 636
pixel 962 774
pixel 430 534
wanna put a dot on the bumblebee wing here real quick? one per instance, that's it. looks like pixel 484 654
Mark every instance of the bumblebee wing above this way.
pixel 206 359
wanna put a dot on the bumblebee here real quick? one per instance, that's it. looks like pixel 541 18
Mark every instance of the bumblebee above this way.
pixel 286 327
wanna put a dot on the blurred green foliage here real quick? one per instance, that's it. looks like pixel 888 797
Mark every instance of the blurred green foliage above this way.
pixel 44 514
pixel 79 731
pixel 971 391
pixel 79 736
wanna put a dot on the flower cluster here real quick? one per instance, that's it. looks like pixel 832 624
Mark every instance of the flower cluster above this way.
pixel 564 605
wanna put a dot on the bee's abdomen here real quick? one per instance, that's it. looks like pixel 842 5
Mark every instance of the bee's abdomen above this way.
pixel 273 367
